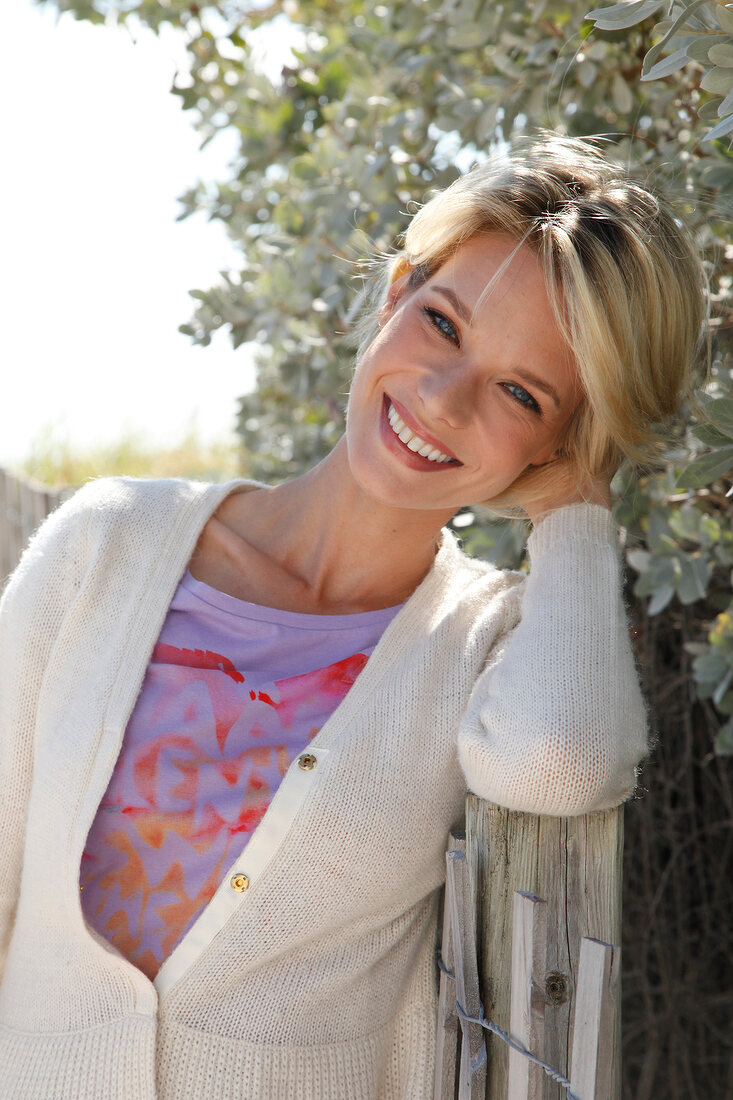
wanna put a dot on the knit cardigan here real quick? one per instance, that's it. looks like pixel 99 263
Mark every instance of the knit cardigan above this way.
pixel 318 982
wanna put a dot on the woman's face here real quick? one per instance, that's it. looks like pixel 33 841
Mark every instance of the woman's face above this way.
pixel 450 403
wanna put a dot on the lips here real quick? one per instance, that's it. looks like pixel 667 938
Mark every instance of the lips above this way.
pixel 413 441
pixel 421 449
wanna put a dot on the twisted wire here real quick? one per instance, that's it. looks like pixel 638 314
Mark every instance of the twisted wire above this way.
pixel 551 1072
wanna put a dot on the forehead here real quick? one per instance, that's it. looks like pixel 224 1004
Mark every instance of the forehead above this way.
pixel 494 264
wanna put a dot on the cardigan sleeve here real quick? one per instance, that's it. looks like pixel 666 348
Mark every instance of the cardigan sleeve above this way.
pixel 556 723
pixel 34 603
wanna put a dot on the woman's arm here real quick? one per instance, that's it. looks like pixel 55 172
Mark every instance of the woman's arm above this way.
pixel 556 723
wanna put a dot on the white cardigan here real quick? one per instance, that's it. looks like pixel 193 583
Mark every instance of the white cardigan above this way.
pixel 318 981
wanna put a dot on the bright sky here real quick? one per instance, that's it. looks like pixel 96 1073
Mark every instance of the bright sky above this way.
pixel 95 270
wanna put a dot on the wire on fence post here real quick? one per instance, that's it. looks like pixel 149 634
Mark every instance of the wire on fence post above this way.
pixel 472 1072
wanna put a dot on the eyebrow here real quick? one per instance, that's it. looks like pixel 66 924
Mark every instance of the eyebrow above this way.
pixel 526 375
pixel 455 301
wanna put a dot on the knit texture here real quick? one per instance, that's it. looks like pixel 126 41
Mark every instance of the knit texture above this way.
pixel 320 983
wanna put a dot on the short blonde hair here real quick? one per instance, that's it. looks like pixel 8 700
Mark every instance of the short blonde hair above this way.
pixel 627 286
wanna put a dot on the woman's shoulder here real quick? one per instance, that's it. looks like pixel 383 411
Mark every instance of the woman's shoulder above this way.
pixel 474 589
pixel 113 495
pixel 140 504
pixel 117 516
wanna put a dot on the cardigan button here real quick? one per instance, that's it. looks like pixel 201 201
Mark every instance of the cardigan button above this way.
pixel 307 761
pixel 239 882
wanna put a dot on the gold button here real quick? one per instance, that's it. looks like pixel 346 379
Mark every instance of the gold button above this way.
pixel 307 761
pixel 239 882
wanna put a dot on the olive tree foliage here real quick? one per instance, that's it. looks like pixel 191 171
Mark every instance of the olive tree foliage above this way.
pixel 381 102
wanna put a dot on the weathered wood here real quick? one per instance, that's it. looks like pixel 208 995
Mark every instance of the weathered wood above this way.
pixel 472 1068
pixel 595 1008
pixel 527 1012
pixel 24 504
pixel 447 1040
pixel 6 556
pixel 575 863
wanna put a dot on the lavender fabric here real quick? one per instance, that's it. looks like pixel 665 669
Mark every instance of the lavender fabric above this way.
pixel 232 694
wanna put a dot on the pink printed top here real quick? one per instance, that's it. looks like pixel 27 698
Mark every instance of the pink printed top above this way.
pixel 232 694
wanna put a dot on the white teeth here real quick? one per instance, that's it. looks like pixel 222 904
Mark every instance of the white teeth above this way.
pixel 413 441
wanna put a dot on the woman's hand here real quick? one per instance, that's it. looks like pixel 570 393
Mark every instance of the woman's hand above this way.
pixel 568 487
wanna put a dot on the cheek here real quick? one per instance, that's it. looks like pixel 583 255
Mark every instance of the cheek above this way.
pixel 358 379
pixel 515 430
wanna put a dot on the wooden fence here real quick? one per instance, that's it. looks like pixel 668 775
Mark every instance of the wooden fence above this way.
pixel 532 920
pixel 23 505
pixel 532 914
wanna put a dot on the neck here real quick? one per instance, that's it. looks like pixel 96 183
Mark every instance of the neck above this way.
pixel 346 550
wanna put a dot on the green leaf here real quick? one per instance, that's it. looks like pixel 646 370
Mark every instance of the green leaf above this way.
pixel 721 54
pixel 686 523
pixel 706 469
pixel 619 16
pixel 709 111
pixel 726 106
pixel 720 413
pixel 721 129
pixel 660 598
pixel 710 667
pixel 724 739
pixel 722 687
pixel 710 436
pixel 679 22
pixel 639 560
pixel 693 581
pixel 710 530
pixel 724 16
pixel 666 66
pixel 718 80
pixel 699 48
pixel 660 572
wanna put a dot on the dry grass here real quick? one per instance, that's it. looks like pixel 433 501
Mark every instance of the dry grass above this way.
pixel 54 461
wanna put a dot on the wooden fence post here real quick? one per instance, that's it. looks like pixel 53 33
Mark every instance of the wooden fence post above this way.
pixel 24 504
pixel 527 1012
pixel 575 864
pixel 447 1044
pixel 593 1031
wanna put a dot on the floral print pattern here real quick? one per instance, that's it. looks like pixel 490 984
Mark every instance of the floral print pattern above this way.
pixel 203 754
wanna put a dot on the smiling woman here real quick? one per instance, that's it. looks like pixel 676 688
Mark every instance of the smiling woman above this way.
pixel 624 285
pixel 237 722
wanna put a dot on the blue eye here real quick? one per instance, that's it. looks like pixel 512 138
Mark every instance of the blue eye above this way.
pixel 440 322
pixel 522 397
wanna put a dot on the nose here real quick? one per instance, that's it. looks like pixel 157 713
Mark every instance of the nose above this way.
pixel 449 393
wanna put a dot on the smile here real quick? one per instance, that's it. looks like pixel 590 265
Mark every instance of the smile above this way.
pixel 412 440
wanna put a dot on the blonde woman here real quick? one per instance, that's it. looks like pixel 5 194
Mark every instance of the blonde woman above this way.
pixel 238 721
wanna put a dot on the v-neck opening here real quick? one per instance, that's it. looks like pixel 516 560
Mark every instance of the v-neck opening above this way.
pixel 281 814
